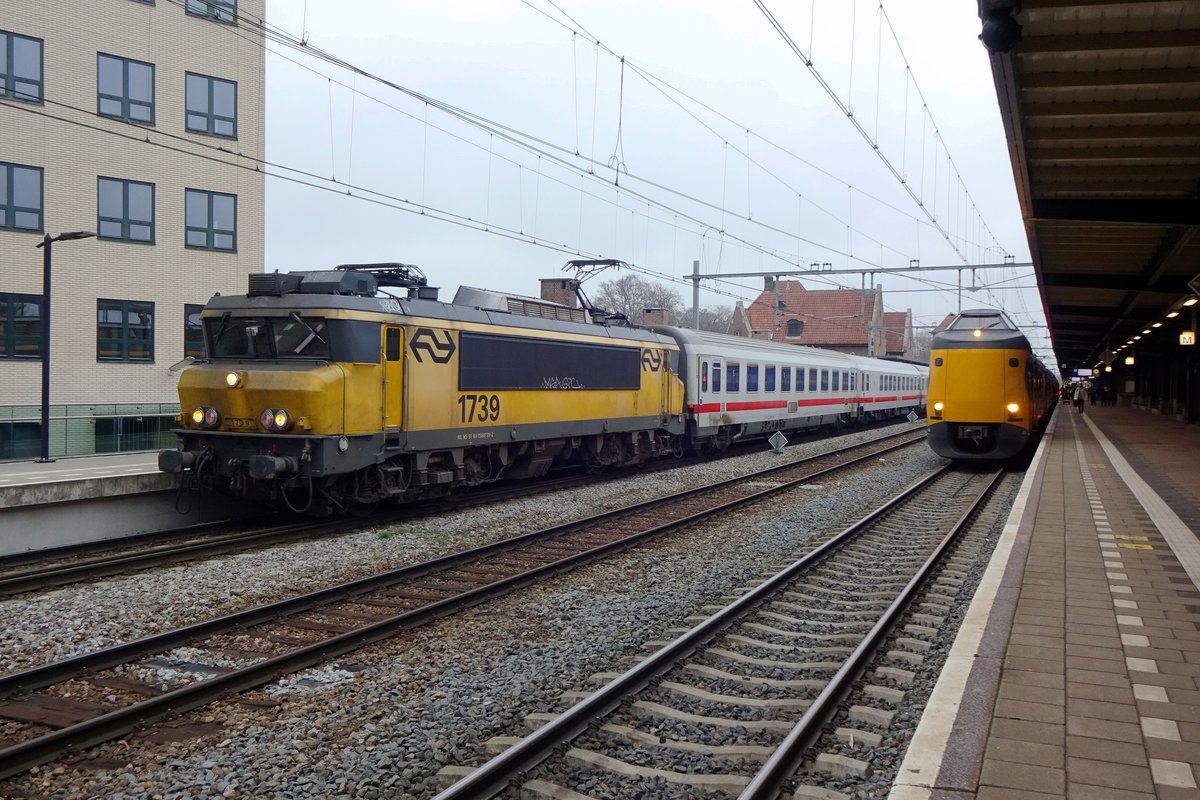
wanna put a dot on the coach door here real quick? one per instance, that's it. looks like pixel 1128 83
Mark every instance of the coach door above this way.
pixel 393 375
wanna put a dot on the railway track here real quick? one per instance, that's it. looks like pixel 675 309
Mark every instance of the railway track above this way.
pixel 732 706
pixel 82 701
pixel 34 572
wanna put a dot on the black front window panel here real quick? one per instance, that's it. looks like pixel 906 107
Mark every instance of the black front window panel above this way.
pixel 495 363
pixel 20 326
pixel 968 322
pixel 20 68
pixel 297 336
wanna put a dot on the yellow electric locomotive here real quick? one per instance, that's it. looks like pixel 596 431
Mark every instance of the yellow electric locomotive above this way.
pixel 988 392
pixel 321 394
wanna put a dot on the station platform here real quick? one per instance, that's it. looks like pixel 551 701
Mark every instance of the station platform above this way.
pixel 1076 672
pixel 93 498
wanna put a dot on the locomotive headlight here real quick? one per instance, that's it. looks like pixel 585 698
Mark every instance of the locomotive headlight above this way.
pixel 343 444
pixel 282 420
pixel 938 407
pixel 1013 408
pixel 977 333
pixel 233 380
pixel 211 417
pixel 198 415
pixel 267 418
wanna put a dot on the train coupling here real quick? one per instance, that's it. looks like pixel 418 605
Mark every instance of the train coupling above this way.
pixel 176 461
pixel 264 468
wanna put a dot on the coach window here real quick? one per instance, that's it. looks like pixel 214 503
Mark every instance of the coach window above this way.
pixel 785 379
pixel 769 379
pixel 704 376
pixel 716 376
pixel 853 381
pixel 732 378
pixel 752 377
pixel 836 382
pixel 824 380
pixel 812 380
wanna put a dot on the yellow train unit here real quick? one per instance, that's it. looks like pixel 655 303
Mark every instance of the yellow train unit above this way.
pixel 988 392
pixel 322 394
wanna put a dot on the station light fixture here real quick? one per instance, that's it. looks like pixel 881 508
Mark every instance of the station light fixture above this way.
pixel 1172 314
pixel 1136 338
pixel 1156 325
pixel 1191 301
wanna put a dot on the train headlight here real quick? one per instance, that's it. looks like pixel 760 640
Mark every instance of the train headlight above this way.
pixel 938 407
pixel 977 333
pixel 275 419
pixel 233 380
pixel 206 417
pixel 1013 408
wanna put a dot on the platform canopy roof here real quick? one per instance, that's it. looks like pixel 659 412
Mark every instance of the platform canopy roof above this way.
pixel 1101 106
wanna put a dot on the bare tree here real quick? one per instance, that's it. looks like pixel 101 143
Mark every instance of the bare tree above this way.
pixel 713 318
pixel 632 294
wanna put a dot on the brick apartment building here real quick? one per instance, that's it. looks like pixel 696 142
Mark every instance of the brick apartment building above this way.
pixel 112 114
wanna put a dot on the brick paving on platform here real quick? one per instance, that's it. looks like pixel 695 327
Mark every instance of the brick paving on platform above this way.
pixel 1099 690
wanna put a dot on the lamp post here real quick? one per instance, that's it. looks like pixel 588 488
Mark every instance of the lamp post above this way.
pixel 48 240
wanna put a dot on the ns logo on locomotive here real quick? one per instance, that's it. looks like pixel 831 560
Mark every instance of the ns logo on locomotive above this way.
pixel 322 394
pixel 988 392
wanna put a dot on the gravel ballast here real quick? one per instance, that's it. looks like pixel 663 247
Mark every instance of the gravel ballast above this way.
pixel 382 721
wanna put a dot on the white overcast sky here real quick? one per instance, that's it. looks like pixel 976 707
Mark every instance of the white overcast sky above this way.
pixel 811 191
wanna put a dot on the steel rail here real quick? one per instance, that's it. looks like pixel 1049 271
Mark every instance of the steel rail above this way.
pixel 769 780
pixel 493 776
pixel 25 755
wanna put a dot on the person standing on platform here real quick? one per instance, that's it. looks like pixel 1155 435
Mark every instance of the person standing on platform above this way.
pixel 1079 395
pixel 1109 396
pixel 1093 390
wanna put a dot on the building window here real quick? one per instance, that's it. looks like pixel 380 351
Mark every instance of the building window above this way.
pixel 795 328
pixel 20 198
pixel 126 210
pixel 20 326
pixel 125 88
pixel 193 331
pixel 220 10
pixel 211 105
pixel 210 220
pixel 124 330
pixel 20 67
